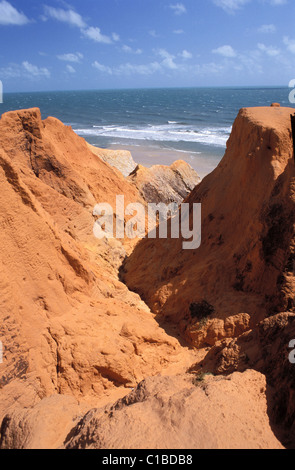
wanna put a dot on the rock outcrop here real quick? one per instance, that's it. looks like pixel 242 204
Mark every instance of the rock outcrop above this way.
pixel 266 349
pixel 165 184
pixel 158 183
pixel 181 412
pixel 178 413
pixel 120 159
pixel 243 270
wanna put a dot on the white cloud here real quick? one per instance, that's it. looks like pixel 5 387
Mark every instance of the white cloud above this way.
pixel 10 71
pixel 65 16
pixel 115 37
pixel 129 50
pixel 24 71
pixel 269 50
pixel 167 62
pixel 102 68
pixel 35 71
pixel 96 35
pixel 140 69
pixel 168 59
pixel 225 51
pixel 126 48
pixel 77 57
pixel 185 54
pixel 178 8
pixel 10 15
pixel 71 69
pixel 130 69
pixel 231 6
pixel 210 68
pixel 75 19
pixel 290 43
pixel 267 28
pixel 178 31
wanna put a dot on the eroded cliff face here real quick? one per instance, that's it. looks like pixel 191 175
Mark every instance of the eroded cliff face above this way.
pixel 67 324
pixel 166 184
pixel 184 413
pixel 76 338
pixel 265 348
pixel 120 159
pixel 243 270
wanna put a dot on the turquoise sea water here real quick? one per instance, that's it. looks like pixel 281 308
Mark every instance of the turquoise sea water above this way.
pixel 157 125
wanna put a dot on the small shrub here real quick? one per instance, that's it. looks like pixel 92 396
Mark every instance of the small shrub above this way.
pixel 200 377
pixel 201 310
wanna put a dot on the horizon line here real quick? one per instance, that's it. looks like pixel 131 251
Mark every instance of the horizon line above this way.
pixel 149 88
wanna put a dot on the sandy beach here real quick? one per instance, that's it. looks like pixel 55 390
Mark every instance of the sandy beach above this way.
pixel 149 156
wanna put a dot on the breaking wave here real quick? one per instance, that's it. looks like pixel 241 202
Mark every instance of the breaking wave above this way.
pixel 171 132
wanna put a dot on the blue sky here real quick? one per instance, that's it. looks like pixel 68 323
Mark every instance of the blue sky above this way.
pixel 98 44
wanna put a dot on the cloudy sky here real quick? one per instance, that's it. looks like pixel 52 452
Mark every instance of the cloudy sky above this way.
pixel 98 44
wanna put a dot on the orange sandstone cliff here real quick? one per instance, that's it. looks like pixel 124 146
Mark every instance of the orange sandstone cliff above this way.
pixel 76 339
pixel 243 270
pixel 67 324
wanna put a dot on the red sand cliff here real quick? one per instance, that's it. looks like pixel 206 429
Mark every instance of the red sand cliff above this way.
pixel 75 337
pixel 68 325
pixel 243 270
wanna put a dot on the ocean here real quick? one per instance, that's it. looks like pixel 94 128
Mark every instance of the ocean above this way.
pixel 158 126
